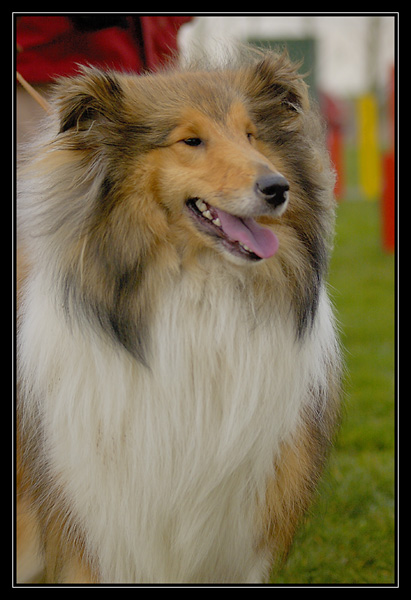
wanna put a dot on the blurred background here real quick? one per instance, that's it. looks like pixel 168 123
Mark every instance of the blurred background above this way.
pixel 350 534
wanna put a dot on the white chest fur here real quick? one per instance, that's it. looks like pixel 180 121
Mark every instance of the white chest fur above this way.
pixel 163 466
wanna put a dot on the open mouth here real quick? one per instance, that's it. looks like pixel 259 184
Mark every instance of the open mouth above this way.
pixel 241 236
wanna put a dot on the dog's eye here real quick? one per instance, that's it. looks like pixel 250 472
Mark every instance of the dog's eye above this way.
pixel 194 141
pixel 250 137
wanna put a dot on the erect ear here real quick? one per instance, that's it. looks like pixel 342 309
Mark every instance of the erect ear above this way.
pixel 91 96
pixel 275 83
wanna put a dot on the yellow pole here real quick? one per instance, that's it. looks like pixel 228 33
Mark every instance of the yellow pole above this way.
pixel 368 147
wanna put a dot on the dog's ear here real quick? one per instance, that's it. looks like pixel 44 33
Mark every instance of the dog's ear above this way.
pixel 92 96
pixel 274 84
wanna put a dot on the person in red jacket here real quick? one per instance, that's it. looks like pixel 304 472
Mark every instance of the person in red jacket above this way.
pixel 54 46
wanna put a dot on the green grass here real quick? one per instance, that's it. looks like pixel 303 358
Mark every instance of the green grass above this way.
pixel 348 538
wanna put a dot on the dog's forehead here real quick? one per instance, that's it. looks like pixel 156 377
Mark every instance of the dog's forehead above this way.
pixel 234 116
pixel 170 100
pixel 211 93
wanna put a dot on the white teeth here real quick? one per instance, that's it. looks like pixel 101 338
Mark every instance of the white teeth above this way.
pixel 201 205
pixel 245 247
pixel 204 209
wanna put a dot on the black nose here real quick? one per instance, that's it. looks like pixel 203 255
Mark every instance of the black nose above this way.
pixel 273 188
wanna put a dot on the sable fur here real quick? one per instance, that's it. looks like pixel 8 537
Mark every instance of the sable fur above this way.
pixel 176 404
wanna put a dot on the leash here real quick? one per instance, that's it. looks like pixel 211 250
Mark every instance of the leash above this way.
pixel 34 94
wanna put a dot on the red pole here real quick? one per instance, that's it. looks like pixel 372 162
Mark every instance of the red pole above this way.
pixel 336 149
pixel 388 197
pixel 388 203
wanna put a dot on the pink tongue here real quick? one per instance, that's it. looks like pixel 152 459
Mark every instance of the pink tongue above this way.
pixel 263 242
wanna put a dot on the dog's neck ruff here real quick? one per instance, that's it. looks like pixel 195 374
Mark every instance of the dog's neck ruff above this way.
pixel 171 462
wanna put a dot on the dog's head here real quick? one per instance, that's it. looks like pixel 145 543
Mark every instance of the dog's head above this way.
pixel 214 156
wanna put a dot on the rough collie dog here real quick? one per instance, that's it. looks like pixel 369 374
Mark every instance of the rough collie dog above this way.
pixel 178 364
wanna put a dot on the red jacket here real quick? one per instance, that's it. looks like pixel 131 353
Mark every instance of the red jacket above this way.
pixel 53 46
